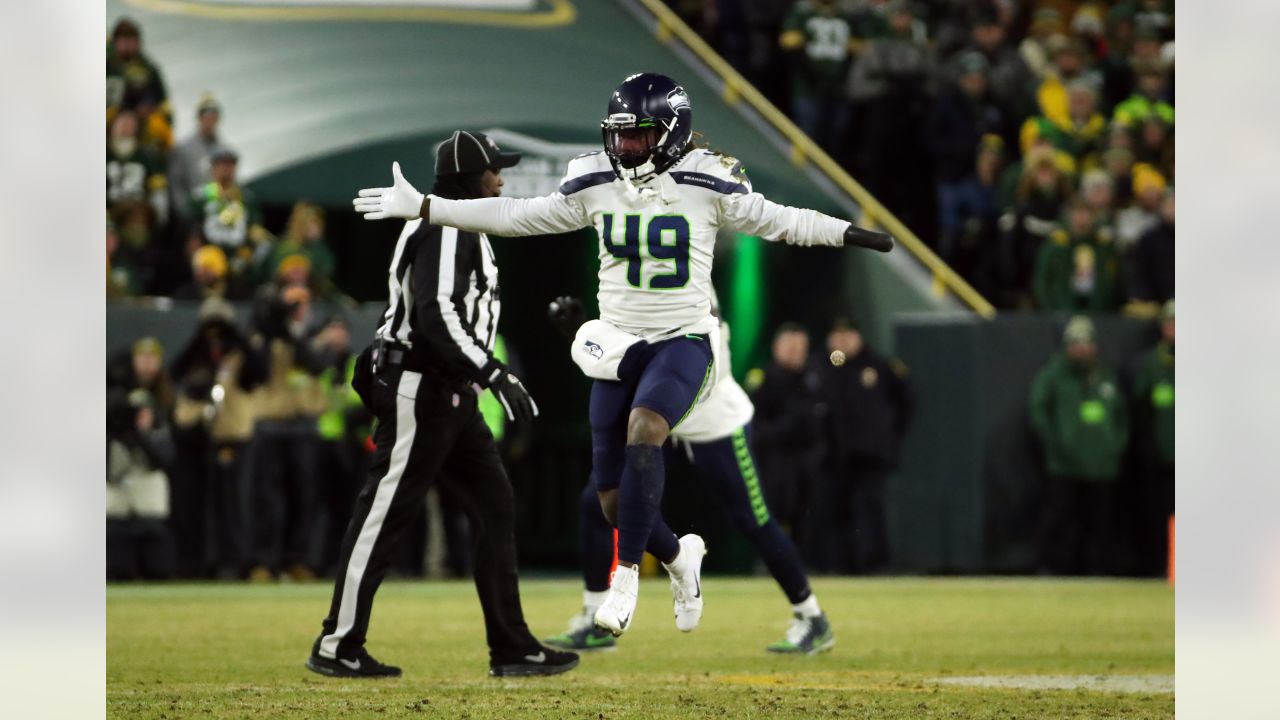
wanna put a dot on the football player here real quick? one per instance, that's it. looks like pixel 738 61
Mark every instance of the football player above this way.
pixel 657 202
pixel 716 439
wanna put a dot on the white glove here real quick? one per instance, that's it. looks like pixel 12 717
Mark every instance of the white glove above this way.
pixel 401 200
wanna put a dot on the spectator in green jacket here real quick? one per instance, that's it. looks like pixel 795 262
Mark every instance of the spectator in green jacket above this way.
pixel 1080 417
pixel 1153 408
pixel 1148 98
pixel 1078 270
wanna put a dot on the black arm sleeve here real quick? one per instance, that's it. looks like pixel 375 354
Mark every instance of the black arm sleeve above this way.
pixel 441 277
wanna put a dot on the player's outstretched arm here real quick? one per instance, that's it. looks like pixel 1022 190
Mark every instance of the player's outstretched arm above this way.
pixel 754 214
pixel 511 217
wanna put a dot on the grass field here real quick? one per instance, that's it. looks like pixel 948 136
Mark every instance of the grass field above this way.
pixel 904 648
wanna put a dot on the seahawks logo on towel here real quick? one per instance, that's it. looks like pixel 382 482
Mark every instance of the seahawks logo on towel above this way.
pixel 677 99
pixel 593 349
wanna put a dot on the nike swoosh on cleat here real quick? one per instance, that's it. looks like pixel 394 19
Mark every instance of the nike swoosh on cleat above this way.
pixel 540 657
pixel 353 664
pixel 698 585
pixel 623 622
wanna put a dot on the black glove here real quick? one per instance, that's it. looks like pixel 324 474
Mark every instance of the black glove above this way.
pixel 870 239
pixel 566 315
pixel 515 399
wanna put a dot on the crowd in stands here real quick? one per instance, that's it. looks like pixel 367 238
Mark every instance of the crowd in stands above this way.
pixel 1029 142
pixel 179 223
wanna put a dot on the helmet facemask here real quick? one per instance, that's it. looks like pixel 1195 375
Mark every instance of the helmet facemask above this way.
pixel 632 144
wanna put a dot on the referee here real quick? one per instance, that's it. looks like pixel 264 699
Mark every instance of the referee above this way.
pixel 431 355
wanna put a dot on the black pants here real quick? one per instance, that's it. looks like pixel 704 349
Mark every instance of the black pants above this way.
pixel 228 550
pixel 1150 517
pixel 1077 534
pixel 428 432
pixel 284 492
pixel 139 549
pixel 852 529
pixel 342 468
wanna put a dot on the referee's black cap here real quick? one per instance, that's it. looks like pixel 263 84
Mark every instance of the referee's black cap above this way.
pixel 471 152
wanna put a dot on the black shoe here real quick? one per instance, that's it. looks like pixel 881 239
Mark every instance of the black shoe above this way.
pixel 545 662
pixel 359 665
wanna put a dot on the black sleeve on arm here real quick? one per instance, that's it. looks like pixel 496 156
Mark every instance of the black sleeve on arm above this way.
pixel 440 316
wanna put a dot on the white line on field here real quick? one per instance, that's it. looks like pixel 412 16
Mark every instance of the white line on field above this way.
pixel 1103 683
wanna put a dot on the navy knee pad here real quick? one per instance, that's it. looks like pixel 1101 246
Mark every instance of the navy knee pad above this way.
pixel 639 501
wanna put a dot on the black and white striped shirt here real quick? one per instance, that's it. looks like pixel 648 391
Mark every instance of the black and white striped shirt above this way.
pixel 443 300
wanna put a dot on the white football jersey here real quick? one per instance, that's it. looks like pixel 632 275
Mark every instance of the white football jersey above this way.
pixel 723 411
pixel 656 239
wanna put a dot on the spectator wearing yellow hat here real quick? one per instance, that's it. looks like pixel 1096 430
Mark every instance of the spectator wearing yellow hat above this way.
pixel 303 237
pixel 1144 212
pixel 209 278
pixel 1080 133
pixel 1042 191
pixel 1069 64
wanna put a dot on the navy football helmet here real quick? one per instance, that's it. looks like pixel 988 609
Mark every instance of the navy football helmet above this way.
pixel 648 126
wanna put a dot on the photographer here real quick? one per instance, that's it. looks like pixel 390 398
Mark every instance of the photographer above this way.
pixel 294 340
pixel 215 373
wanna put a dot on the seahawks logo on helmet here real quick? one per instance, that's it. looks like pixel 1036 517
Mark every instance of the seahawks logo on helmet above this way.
pixel 677 99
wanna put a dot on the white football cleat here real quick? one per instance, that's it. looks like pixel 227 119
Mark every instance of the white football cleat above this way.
pixel 686 582
pixel 620 604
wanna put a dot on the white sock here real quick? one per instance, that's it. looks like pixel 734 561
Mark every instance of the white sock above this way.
pixel 678 565
pixel 591 601
pixel 808 607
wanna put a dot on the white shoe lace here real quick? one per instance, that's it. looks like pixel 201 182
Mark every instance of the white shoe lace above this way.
pixel 797 631
pixel 678 590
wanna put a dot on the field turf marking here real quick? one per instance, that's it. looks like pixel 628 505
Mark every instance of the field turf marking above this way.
pixel 1102 683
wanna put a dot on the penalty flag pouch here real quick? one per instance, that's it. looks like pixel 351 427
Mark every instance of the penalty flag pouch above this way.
pixel 598 349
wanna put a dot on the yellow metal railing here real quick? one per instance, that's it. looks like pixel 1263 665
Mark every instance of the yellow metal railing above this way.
pixel 736 89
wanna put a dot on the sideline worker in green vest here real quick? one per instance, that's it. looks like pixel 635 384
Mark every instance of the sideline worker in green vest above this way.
pixel 1079 415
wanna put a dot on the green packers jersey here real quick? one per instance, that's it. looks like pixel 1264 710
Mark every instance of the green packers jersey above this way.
pixel 825 56
pixel 134 176
pixel 224 217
